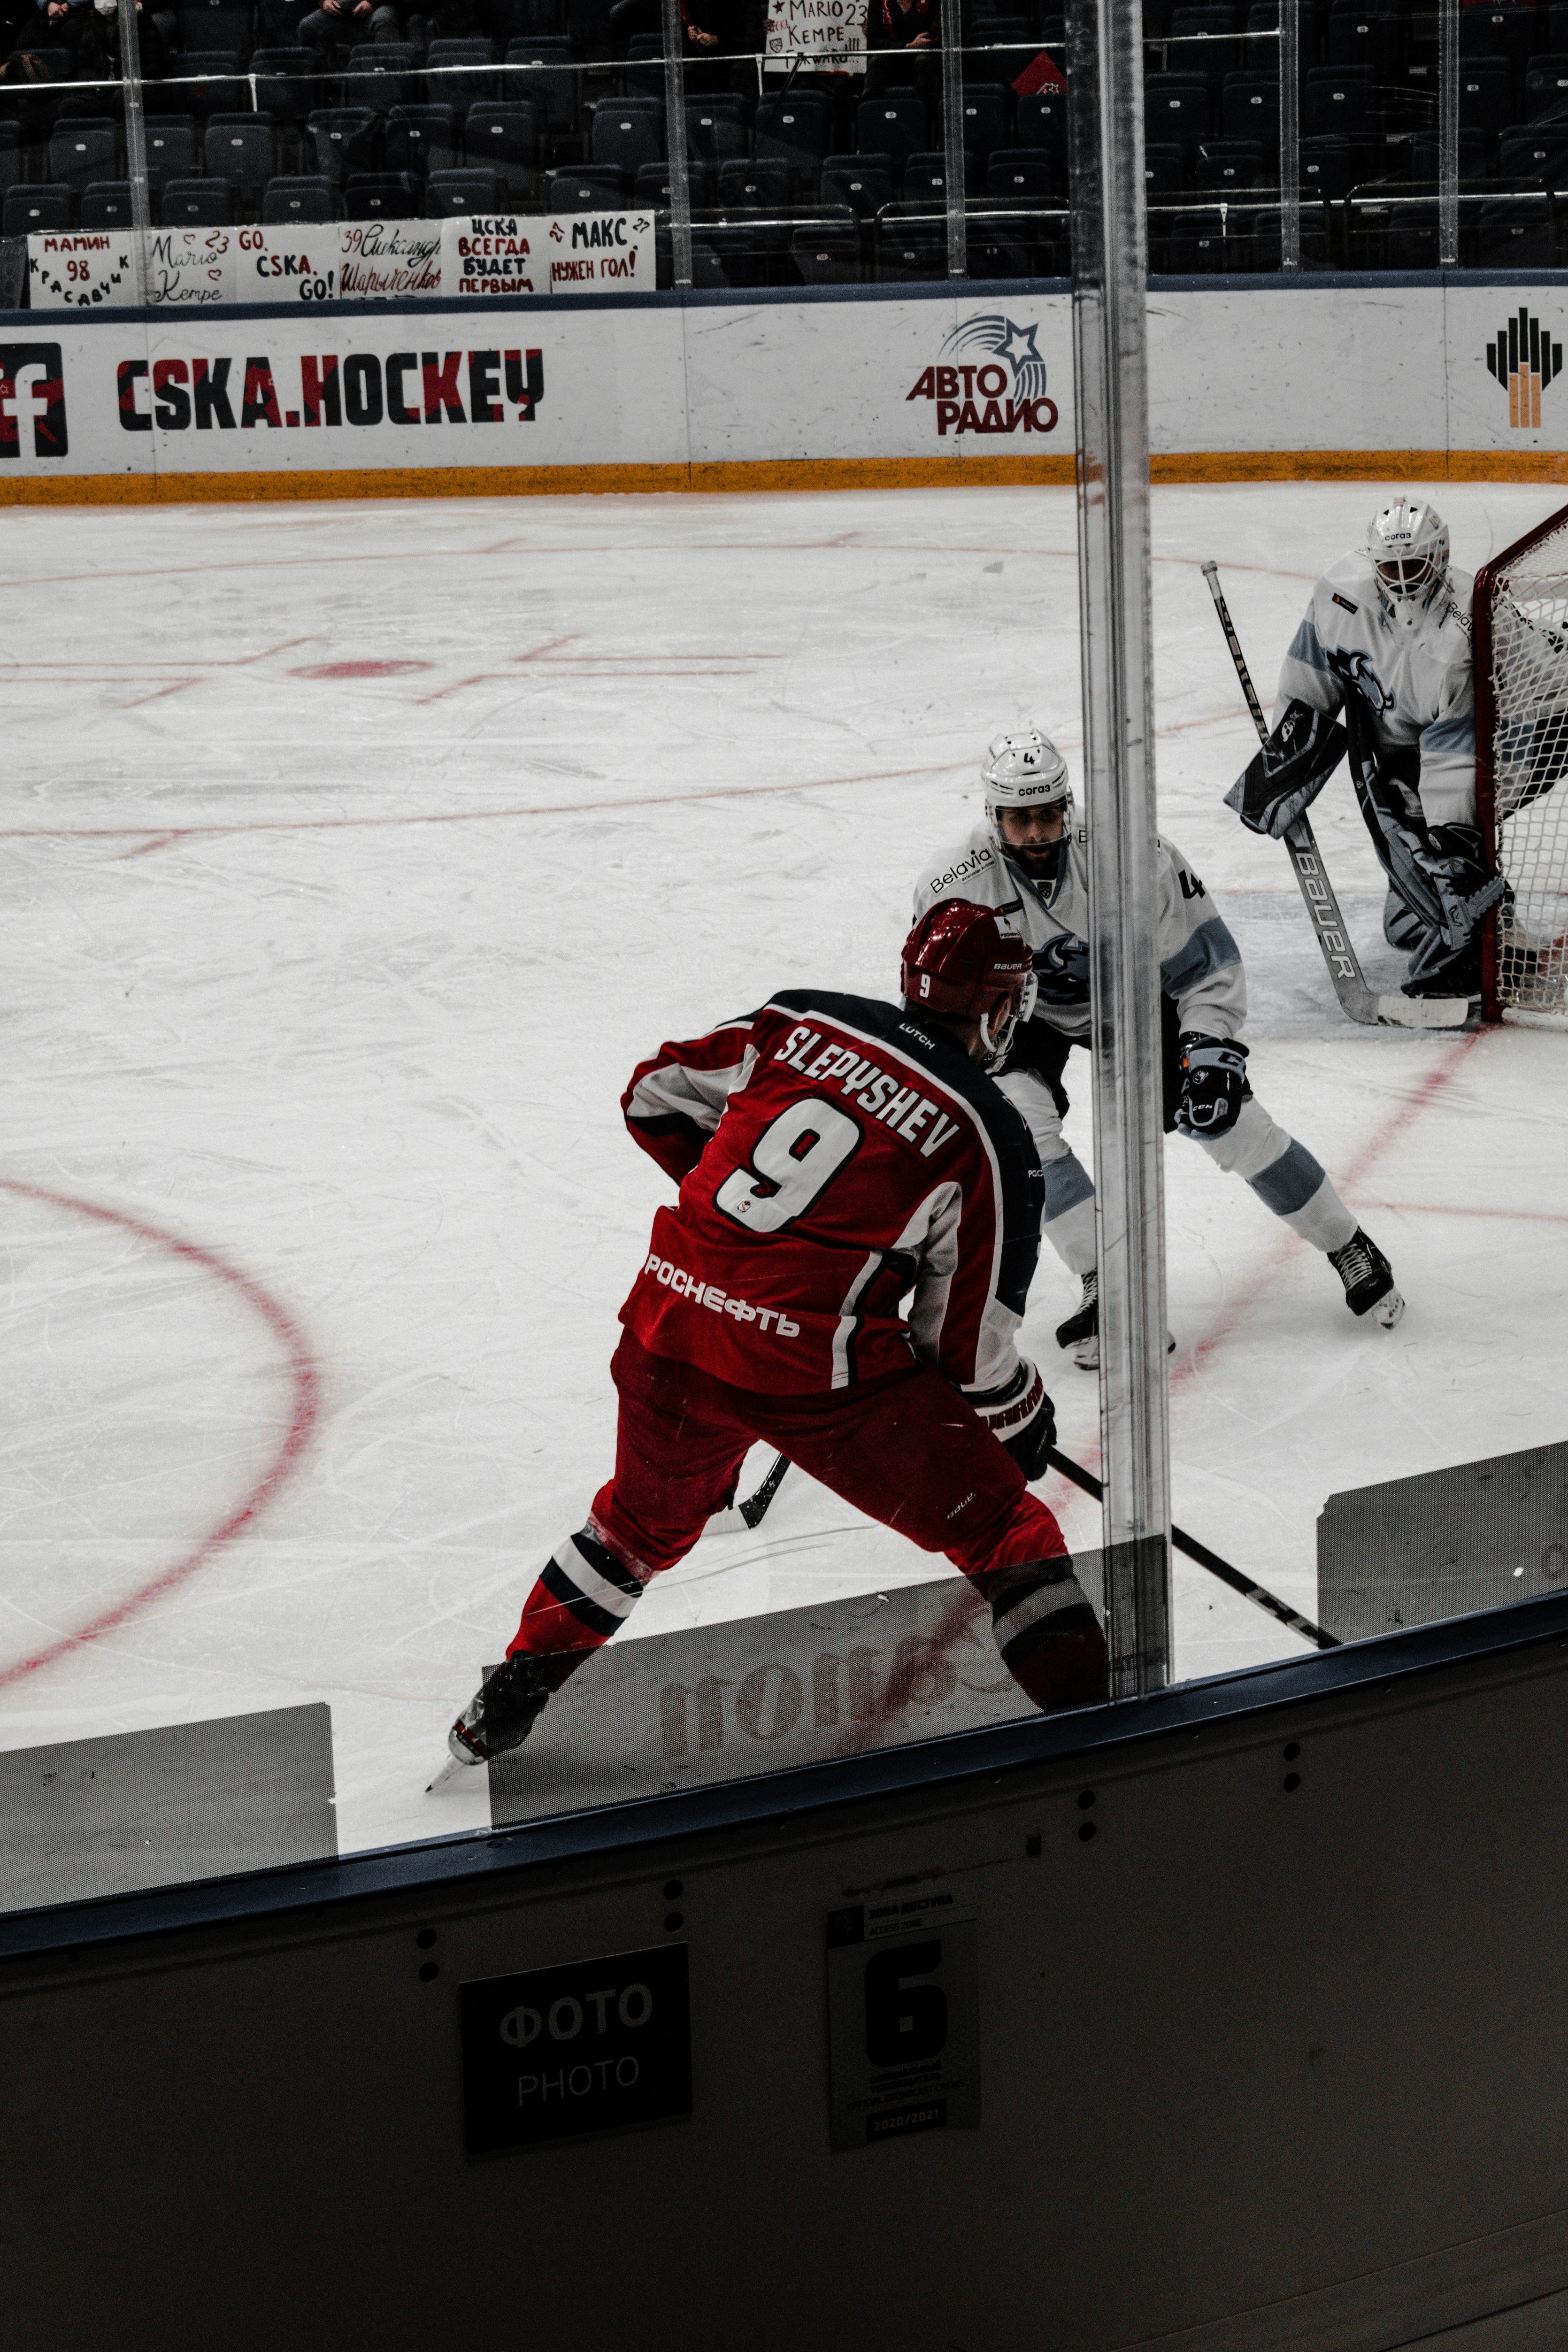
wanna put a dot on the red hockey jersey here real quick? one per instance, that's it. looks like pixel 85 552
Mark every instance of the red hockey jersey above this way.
pixel 835 1154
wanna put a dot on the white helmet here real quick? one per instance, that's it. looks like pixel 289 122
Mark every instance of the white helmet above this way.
pixel 1408 543
pixel 1024 770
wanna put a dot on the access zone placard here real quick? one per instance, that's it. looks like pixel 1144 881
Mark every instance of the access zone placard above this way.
pixel 903 2010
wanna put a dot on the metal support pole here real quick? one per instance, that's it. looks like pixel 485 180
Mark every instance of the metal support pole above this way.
pixel 674 131
pixel 953 135
pixel 1448 135
pixel 1105 96
pixel 135 145
pixel 1290 134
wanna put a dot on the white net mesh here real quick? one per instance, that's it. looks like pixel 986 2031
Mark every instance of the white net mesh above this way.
pixel 1529 613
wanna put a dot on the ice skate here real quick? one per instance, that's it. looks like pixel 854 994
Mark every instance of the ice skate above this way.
pixel 499 1716
pixel 1368 1278
pixel 1080 1333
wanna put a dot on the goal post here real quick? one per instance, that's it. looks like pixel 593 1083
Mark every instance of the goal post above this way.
pixel 1520 623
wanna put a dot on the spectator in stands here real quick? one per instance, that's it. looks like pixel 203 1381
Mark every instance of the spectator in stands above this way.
pixel 98 58
pixel 903 38
pixel 721 28
pixel 56 24
pixel 346 23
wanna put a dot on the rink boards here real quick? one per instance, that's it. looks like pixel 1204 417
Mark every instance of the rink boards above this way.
pixel 1247 380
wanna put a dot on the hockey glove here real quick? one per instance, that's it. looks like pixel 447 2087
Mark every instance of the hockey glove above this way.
pixel 1214 1084
pixel 1289 771
pixel 1023 1417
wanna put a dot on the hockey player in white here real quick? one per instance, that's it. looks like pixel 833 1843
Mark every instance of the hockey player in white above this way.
pixel 1386 643
pixel 1029 863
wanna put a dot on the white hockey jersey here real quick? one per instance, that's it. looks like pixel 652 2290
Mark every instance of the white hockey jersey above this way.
pixel 1200 963
pixel 1414 676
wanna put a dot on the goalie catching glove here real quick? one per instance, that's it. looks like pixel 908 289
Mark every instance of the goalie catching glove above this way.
pixel 1214 1084
pixel 1022 1415
pixel 1289 770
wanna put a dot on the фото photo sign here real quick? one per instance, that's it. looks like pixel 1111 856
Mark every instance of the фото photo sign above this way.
pixel 590 2046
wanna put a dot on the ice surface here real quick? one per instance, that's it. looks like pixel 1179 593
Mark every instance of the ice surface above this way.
pixel 353 855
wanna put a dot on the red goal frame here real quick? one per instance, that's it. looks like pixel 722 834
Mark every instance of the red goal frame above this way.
pixel 1490 577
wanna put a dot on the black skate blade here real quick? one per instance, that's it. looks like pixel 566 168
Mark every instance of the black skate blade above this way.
pixel 448 1772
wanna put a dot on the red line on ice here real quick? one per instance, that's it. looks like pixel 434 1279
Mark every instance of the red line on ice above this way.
pixel 303 1372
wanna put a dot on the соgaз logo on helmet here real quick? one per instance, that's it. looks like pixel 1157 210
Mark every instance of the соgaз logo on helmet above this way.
pixel 989 378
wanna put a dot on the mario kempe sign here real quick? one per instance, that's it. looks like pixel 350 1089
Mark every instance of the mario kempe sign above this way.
pixel 989 378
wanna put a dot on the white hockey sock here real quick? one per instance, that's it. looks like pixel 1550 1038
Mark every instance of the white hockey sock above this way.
pixel 1284 1175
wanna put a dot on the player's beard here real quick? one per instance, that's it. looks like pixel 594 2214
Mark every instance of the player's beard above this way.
pixel 1041 863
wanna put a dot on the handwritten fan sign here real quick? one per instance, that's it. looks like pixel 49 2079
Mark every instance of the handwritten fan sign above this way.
pixel 826 34
pixel 598 253
pixel 88 270
pixel 494 253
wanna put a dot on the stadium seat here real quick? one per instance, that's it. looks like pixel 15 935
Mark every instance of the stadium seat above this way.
pixel 625 136
pixel 1332 166
pixel 1023 176
pixel 645 65
pixel 1546 88
pixel 1338 100
pixel 286 85
pixel 1423 155
pixel 216 25
pixel 505 136
pixel 761 187
pixel 1200 246
pixel 1008 40
pixel 208 83
pixel 303 198
pixel 12 159
pixel 1226 166
pixel 542 70
pixel 1042 120
pixel 1517 233
pixel 29 207
pixel 715 133
pixel 171 149
pixel 1367 36
pixel 651 185
pixel 894 124
pixel 240 148
pixel 525 20
pixel 587 188
pixel 1164 170
pixel 1249 108
pixel 420 140
pixel 909 259
pixel 197 203
pixel 1176 110
pixel 985 113
pixel 1511 29
pixel 925 180
pixel 380 195
pixel 1201 43
pixel 382 75
pixel 461 193
pixel 1534 151
pixel 106 204
pixel 795 132
pixel 1486 95
pixel 458 73
pixel 828 252
pixel 344 138
pixel 82 151
pixel 860 185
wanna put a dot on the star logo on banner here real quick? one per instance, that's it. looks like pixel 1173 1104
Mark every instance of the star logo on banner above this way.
pixel 1019 343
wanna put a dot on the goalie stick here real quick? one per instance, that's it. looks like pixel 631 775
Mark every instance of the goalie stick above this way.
pixel 755 1506
pixel 1356 999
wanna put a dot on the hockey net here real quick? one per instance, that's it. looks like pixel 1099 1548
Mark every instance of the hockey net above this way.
pixel 1521 771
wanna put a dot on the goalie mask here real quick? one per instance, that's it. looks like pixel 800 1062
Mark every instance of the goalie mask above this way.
pixel 1408 544
pixel 1025 771
pixel 959 960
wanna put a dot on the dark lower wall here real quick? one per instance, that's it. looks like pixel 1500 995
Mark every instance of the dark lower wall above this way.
pixel 1276 2056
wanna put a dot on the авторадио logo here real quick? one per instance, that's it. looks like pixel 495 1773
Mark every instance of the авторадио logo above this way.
pixel 32 384
pixel 1524 360
pixel 1002 393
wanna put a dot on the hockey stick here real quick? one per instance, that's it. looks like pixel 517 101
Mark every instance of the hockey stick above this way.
pixel 1356 999
pixel 755 1506
pixel 1259 1594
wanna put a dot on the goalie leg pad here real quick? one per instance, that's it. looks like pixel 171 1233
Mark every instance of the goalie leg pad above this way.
pixel 1289 770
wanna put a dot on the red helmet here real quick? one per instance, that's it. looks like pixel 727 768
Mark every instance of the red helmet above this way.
pixel 958 959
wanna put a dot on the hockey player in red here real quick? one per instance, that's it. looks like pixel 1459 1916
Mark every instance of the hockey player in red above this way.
pixel 836 1157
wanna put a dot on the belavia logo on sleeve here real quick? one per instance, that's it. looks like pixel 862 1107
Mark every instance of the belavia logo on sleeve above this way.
pixel 32 396
pixel 1002 392
pixel 1524 360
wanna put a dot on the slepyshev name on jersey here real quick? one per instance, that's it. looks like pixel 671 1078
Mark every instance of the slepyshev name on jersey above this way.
pixel 907 1111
